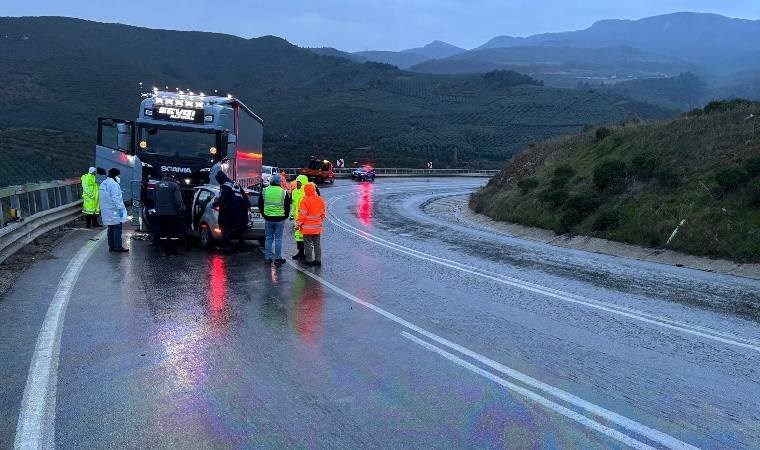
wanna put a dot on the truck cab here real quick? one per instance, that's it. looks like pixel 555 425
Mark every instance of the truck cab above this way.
pixel 319 171
pixel 186 135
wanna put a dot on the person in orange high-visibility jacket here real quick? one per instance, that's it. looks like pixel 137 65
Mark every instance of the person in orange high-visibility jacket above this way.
pixel 284 181
pixel 311 214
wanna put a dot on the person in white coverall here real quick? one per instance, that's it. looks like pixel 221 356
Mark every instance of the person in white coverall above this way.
pixel 112 210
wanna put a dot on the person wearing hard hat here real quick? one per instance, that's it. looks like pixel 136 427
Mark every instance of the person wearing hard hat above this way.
pixel 296 196
pixel 311 214
pixel 90 201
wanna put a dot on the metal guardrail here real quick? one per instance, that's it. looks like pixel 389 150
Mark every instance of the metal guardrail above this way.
pixel 345 172
pixel 42 207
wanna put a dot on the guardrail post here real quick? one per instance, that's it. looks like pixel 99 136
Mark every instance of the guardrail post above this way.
pixel 44 200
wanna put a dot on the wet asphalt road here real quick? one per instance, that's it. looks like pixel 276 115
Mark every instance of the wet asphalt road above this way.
pixel 417 331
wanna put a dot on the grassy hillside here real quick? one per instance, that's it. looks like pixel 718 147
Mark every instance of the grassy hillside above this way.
pixel 635 183
pixel 63 73
pixel 33 154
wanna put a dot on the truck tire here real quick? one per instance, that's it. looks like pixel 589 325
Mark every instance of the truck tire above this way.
pixel 320 180
pixel 206 237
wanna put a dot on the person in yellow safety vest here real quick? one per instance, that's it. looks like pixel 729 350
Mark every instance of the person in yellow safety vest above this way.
pixel 91 203
pixel 274 204
pixel 296 196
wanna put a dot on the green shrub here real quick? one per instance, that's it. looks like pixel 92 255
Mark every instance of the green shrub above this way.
pixel 602 133
pixel 645 164
pixel 668 177
pixel 562 175
pixel 575 210
pixel 752 166
pixel 608 220
pixel 555 197
pixel 610 174
pixel 584 202
pixel 564 171
pixel 731 178
pixel 527 184
pixel 754 192
pixel 567 220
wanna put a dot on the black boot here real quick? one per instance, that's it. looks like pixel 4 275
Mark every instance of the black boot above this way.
pixel 300 255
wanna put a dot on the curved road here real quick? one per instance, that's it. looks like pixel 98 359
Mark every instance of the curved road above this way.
pixel 417 331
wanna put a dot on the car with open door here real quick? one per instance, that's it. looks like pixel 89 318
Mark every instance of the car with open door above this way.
pixel 205 218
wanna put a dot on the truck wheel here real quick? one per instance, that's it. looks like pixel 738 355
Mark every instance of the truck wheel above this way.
pixel 206 237
pixel 331 181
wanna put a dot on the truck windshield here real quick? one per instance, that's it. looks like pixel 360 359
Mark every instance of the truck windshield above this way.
pixel 178 144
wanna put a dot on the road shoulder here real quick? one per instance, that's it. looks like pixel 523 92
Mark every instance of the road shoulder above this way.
pixel 457 208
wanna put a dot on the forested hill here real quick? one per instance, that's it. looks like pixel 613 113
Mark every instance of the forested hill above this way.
pixel 635 183
pixel 61 73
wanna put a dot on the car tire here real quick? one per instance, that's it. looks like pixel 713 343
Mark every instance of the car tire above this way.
pixel 206 237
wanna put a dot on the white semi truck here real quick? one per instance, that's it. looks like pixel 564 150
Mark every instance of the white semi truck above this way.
pixel 185 134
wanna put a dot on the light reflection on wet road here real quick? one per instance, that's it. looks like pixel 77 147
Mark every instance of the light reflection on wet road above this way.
pixel 223 351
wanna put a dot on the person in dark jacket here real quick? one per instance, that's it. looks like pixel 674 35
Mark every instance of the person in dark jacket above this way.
pixel 274 204
pixel 169 208
pixel 233 206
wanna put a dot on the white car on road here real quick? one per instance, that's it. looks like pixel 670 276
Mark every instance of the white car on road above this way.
pixel 267 172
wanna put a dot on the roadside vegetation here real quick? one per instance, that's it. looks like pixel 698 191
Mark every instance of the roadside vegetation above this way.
pixel 636 182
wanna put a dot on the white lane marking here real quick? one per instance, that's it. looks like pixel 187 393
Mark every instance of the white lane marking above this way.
pixel 36 421
pixel 622 421
pixel 543 401
pixel 696 330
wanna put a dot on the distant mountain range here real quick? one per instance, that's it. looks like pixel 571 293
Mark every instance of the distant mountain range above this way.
pixel 706 39
pixel 714 47
pixel 405 59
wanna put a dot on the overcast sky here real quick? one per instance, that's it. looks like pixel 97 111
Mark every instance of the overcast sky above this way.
pixel 372 24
